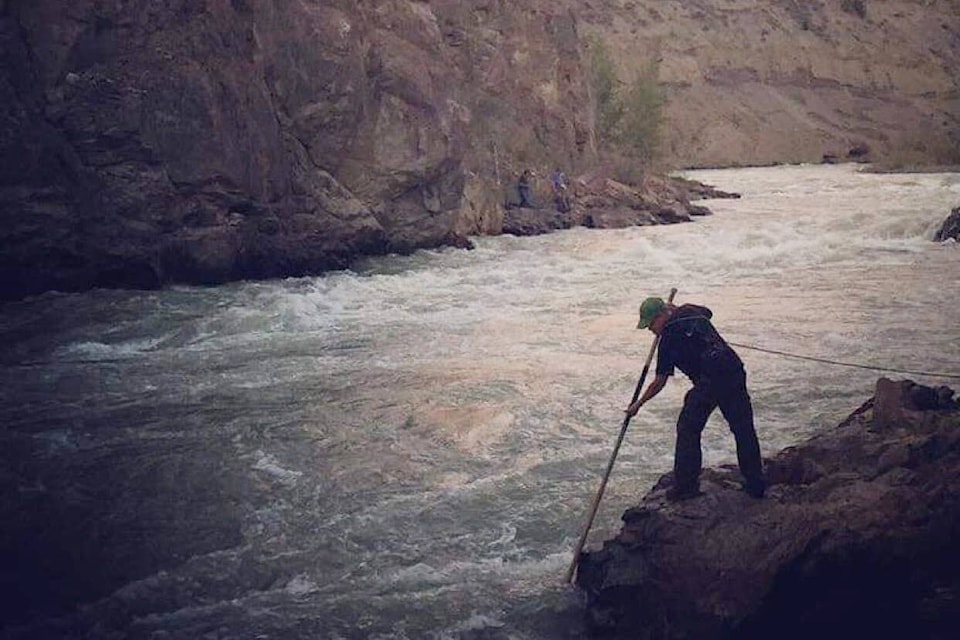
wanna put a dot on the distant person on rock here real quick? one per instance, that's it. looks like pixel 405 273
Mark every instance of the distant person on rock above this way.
pixel 524 186
pixel 689 342
pixel 560 199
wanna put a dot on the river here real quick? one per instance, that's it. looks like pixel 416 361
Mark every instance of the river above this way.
pixel 409 449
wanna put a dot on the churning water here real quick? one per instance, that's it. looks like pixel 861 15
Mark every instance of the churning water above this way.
pixel 409 450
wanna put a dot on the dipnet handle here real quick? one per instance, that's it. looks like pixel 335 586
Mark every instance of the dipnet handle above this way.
pixel 613 457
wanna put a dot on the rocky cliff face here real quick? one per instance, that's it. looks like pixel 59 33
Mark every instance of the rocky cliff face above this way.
pixel 204 140
pixel 207 140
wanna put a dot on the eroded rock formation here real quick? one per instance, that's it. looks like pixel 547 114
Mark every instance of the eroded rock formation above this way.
pixel 207 140
pixel 856 538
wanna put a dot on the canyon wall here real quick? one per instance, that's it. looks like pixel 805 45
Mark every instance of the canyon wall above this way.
pixel 202 141
pixel 781 81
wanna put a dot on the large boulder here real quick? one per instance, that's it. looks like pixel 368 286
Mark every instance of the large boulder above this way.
pixel 856 538
pixel 950 229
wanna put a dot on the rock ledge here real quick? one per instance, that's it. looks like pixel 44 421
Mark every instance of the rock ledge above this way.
pixel 856 538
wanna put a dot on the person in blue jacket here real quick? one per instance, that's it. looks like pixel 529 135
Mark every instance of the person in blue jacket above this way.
pixel 689 342
pixel 560 198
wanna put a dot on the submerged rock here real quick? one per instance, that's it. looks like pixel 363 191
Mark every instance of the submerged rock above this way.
pixel 950 229
pixel 856 538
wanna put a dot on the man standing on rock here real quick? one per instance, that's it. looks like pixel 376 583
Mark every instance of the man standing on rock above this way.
pixel 689 342
pixel 559 181
pixel 523 186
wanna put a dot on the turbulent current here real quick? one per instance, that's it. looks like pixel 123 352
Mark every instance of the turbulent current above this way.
pixel 409 449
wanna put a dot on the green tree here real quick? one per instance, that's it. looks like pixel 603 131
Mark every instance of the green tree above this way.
pixel 641 121
pixel 629 117
pixel 606 99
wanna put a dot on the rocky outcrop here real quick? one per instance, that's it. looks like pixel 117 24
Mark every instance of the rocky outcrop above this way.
pixel 856 538
pixel 950 229
pixel 201 141
pixel 603 203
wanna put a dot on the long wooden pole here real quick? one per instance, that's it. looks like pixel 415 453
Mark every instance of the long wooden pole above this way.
pixel 606 476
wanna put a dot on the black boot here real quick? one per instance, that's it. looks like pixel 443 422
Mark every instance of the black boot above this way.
pixel 755 488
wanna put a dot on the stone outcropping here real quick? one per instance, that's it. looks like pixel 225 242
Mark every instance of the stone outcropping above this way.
pixel 599 202
pixel 202 141
pixel 950 229
pixel 856 538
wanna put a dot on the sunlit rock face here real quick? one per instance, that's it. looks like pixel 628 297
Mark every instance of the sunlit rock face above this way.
pixel 204 141
pixel 785 81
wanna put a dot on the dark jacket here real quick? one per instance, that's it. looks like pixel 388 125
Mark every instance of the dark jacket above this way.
pixel 690 342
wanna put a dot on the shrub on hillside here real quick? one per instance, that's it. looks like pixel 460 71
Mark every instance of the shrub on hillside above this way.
pixel 858 7
pixel 629 117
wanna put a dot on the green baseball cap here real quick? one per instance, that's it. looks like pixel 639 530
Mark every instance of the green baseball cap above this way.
pixel 650 309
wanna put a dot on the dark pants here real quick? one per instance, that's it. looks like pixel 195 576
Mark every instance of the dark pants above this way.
pixel 525 196
pixel 723 386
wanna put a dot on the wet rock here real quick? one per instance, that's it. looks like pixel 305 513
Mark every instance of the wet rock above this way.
pixel 859 152
pixel 693 190
pixel 618 218
pixel 599 202
pixel 698 210
pixel 525 221
pixel 950 229
pixel 856 537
